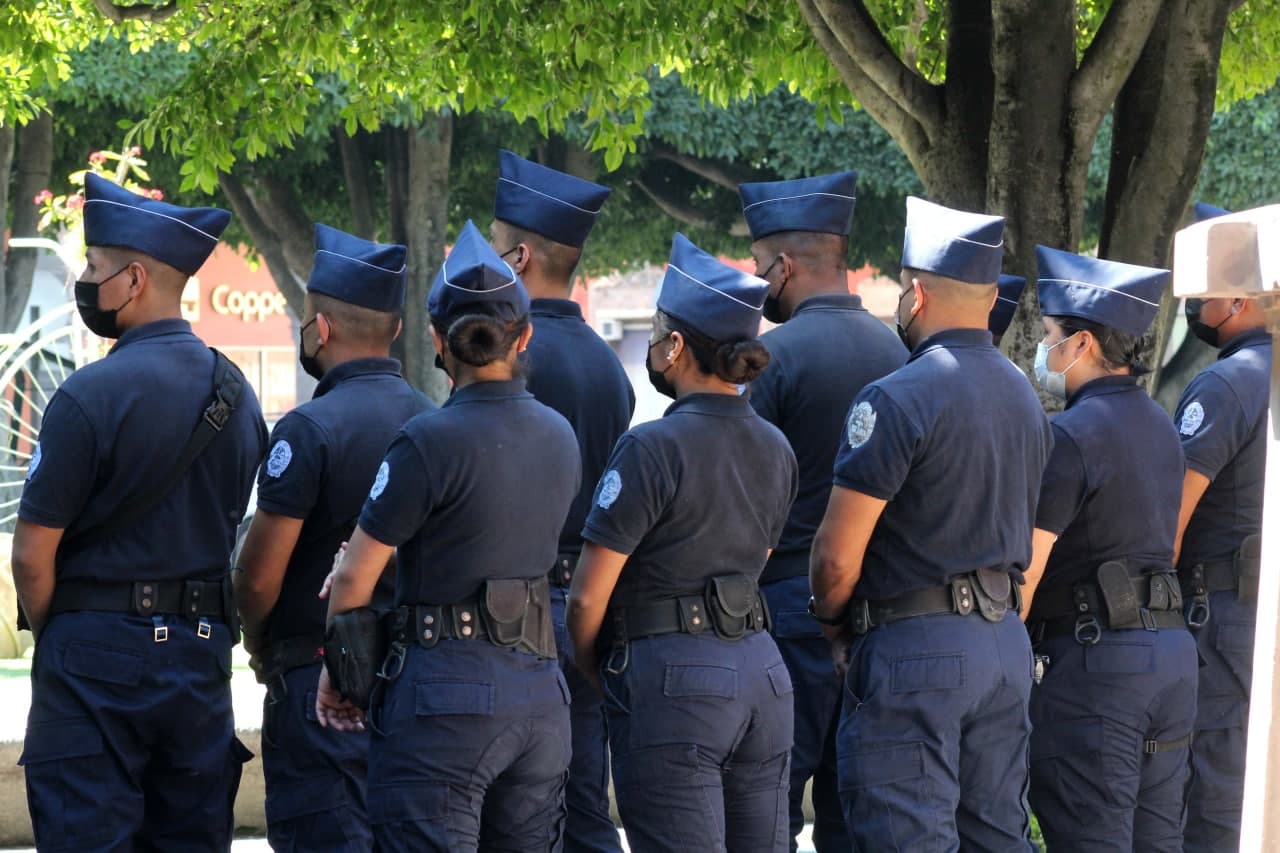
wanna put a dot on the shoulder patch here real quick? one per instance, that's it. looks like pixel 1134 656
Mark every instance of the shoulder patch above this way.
pixel 610 488
pixel 380 481
pixel 279 458
pixel 35 461
pixel 1192 417
pixel 862 422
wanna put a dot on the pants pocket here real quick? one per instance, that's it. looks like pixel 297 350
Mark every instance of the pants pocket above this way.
pixel 703 681
pixel 69 782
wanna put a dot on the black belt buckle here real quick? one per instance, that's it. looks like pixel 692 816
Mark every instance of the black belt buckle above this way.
pixel 860 617
pixel 1088 631
pixel 146 596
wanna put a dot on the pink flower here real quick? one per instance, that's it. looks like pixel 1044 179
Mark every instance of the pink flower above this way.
pixel 75 202
pixel 135 151
pixel 43 197
pixel 156 194
pixel 97 158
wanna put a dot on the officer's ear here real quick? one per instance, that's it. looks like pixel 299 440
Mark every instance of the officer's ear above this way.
pixel 788 267
pixel 323 328
pixel 525 337
pixel 677 347
pixel 438 339
pixel 399 329
pixel 520 262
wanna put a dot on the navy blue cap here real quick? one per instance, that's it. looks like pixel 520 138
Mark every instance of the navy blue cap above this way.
pixel 473 274
pixel 560 207
pixel 822 203
pixel 182 237
pixel 357 271
pixel 1010 291
pixel 1122 296
pixel 955 244
pixel 1209 211
pixel 715 299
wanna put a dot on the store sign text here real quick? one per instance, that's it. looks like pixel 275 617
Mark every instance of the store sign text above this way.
pixel 248 305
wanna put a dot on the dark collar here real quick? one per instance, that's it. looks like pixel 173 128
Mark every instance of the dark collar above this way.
pixel 1251 338
pixel 951 338
pixel 482 391
pixel 353 368
pixel 1103 385
pixel 828 301
pixel 719 405
pixel 155 329
pixel 555 308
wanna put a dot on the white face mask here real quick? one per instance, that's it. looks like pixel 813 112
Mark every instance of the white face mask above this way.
pixel 1052 381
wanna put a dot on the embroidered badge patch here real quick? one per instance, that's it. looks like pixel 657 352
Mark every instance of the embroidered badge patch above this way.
pixel 1192 417
pixel 862 422
pixel 35 461
pixel 610 488
pixel 380 481
pixel 279 458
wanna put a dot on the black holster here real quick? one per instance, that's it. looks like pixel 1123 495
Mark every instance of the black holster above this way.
pixel 517 614
pixel 735 606
pixel 354 647
pixel 1248 566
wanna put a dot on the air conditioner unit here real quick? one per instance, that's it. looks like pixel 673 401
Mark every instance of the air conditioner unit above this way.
pixel 611 329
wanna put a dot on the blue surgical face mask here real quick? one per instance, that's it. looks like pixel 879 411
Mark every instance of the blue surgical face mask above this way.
pixel 1052 381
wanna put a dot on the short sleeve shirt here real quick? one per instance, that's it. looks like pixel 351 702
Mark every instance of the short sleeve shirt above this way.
pixel 703 491
pixel 475 491
pixel 955 442
pixel 110 436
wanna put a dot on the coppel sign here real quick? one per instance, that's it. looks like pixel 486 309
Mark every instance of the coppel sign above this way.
pixel 248 305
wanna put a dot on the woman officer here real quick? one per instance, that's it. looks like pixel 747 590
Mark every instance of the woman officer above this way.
pixel 1112 717
pixel 697 697
pixel 470 741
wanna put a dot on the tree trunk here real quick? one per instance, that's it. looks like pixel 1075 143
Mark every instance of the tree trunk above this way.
pixel 355 173
pixel 1161 125
pixel 7 138
pixel 426 218
pixel 292 284
pixel 396 170
pixel 32 171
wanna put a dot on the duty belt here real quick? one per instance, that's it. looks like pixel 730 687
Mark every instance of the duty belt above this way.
pixel 989 592
pixel 1239 575
pixel 510 612
pixel 1118 598
pixel 288 654
pixel 193 599
pixel 428 624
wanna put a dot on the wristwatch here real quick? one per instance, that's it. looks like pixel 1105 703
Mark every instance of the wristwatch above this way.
pixel 832 620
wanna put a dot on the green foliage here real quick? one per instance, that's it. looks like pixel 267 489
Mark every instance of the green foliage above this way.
pixel 1239 169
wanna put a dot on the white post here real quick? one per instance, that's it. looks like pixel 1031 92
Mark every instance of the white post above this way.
pixel 1261 826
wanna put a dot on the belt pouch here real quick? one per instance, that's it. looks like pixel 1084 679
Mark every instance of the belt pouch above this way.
pixel 505 607
pixel 1119 595
pixel 731 600
pixel 1248 566
pixel 991 588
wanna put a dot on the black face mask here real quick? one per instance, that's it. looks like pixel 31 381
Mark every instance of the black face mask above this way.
pixel 902 330
pixel 1203 331
pixel 102 323
pixel 658 378
pixel 310 365
pixel 773 304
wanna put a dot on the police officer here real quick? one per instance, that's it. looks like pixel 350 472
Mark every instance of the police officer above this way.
pixel 1009 288
pixel 827 349
pixel 1221 420
pixel 323 458
pixel 1111 720
pixel 470 744
pixel 697 696
pixel 121 550
pixel 926 535
pixel 542 219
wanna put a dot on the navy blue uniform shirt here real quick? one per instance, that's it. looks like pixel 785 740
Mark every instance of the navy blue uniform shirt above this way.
pixel 818 362
pixel 702 491
pixel 475 491
pixel 111 435
pixel 955 441
pixel 1112 487
pixel 323 458
pixel 572 370
pixel 1222 421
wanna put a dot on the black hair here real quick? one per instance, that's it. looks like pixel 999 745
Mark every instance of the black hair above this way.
pixel 738 360
pixel 1118 349
pixel 478 336
pixel 358 322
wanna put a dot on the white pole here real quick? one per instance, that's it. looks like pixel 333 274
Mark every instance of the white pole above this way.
pixel 1260 830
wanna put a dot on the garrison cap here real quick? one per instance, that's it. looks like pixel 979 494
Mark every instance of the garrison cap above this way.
pixel 357 271
pixel 717 300
pixel 560 207
pixel 182 237
pixel 473 274
pixel 1010 291
pixel 1122 296
pixel 823 203
pixel 954 244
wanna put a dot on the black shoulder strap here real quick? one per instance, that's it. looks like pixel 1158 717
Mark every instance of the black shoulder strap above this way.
pixel 228 388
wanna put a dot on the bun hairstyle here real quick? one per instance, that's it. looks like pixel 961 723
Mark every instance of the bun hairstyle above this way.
pixel 738 361
pixel 1116 349
pixel 479 337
